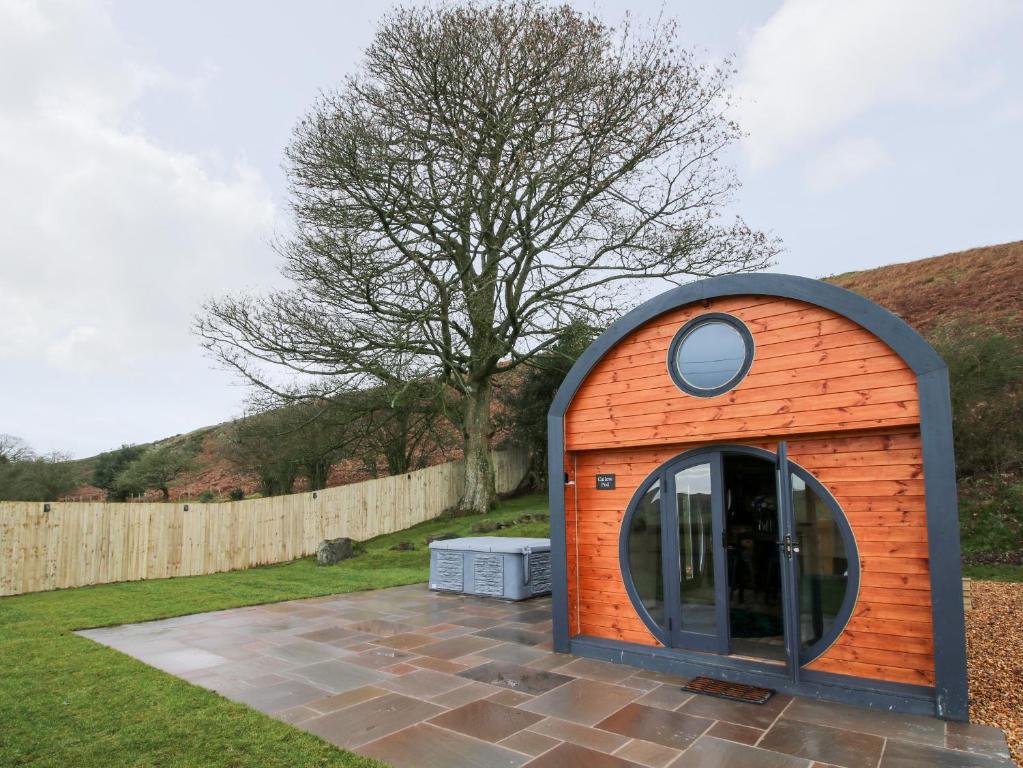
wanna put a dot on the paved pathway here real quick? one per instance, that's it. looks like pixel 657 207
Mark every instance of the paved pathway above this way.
pixel 418 679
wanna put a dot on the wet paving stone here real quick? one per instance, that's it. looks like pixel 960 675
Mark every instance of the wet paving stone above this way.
pixel 709 752
pixel 371 720
pixel 513 652
pixel 739 712
pixel 426 746
pixel 903 754
pixel 369 670
pixel 927 730
pixel 530 743
pixel 516 677
pixel 512 635
pixel 563 730
pixel 337 676
pixel 647 753
pixel 582 701
pixel 669 729
pixel 847 749
pixel 971 737
pixel 424 682
pixel 378 657
pixel 455 647
pixel 575 756
pixel 486 719
pixel 732 732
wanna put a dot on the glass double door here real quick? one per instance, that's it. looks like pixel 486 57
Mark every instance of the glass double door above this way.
pixel 731 556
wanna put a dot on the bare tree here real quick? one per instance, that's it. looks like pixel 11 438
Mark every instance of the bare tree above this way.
pixel 492 173
pixel 13 448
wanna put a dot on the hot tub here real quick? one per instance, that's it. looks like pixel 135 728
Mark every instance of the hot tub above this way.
pixel 493 566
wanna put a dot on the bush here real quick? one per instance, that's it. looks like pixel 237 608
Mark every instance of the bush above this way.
pixel 236 494
pixel 44 478
pixel 154 470
pixel 206 497
pixel 108 466
pixel 986 379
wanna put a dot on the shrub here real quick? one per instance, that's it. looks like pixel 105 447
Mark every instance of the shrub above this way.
pixel 206 496
pixel 986 379
pixel 236 494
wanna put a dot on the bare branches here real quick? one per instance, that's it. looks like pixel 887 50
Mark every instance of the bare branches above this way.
pixel 492 173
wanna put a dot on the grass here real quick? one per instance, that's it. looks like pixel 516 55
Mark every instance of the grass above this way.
pixel 991 516
pixel 1013 573
pixel 67 701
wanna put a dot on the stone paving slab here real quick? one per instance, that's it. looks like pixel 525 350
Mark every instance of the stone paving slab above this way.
pixel 420 679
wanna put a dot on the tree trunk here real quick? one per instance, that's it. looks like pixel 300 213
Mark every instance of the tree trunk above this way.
pixel 477 428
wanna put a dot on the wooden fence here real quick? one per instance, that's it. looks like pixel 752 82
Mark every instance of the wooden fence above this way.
pixel 79 543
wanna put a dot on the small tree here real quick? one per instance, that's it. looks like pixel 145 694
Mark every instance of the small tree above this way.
pixel 27 477
pixel 491 173
pixel 278 446
pixel 399 423
pixel 107 467
pixel 155 470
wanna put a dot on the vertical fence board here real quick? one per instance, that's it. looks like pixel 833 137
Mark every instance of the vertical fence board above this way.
pixel 80 543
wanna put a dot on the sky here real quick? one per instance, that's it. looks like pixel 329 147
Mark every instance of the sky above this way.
pixel 141 168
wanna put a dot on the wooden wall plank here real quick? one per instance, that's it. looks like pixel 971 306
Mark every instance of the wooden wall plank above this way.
pixel 889 636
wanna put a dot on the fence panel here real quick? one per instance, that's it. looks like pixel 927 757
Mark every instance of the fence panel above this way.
pixel 80 543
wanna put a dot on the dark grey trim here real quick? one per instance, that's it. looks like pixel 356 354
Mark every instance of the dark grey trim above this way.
pixel 706 453
pixel 852 551
pixel 692 325
pixel 943 546
pixel 559 554
pixel 658 630
pixel 936 437
pixel 874 694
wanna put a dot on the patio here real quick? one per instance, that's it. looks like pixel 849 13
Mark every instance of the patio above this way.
pixel 419 679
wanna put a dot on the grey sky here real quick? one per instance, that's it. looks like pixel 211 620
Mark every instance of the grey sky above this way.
pixel 140 153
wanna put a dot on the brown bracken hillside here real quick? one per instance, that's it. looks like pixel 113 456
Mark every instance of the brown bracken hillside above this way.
pixel 981 286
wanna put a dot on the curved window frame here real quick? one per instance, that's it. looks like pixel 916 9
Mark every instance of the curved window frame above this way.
pixel 707 453
pixel 710 317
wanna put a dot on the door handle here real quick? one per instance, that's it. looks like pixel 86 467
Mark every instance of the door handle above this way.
pixel 789 546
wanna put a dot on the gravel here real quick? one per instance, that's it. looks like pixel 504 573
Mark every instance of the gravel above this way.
pixel 994 635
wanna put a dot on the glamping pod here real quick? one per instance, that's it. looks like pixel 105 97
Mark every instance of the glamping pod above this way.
pixel 759 487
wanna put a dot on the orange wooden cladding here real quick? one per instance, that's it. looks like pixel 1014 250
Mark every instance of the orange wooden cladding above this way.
pixel 847 406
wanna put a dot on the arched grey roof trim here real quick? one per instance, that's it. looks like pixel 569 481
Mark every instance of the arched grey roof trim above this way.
pixel 950 690
pixel 895 332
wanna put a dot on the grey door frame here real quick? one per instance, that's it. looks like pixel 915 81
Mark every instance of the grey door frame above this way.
pixel 678 637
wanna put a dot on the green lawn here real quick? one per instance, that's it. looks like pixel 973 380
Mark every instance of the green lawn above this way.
pixel 994 572
pixel 67 701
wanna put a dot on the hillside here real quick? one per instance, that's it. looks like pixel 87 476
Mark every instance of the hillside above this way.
pixel 981 286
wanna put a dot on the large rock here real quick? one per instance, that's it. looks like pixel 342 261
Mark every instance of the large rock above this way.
pixel 333 551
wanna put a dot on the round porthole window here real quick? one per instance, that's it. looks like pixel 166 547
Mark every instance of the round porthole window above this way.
pixel 710 354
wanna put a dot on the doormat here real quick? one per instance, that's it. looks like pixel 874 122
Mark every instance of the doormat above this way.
pixel 734 691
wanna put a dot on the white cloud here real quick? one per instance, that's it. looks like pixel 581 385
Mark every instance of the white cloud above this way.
pixel 844 162
pixel 108 240
pixel 816 64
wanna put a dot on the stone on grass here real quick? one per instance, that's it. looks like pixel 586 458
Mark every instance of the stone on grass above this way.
pixel 441 537
pixel 333 551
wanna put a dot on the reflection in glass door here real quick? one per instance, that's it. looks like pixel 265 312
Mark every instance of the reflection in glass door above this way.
pixel 701 622
pixel 736 551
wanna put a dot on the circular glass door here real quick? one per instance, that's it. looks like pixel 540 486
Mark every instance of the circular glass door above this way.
pixel 714 559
